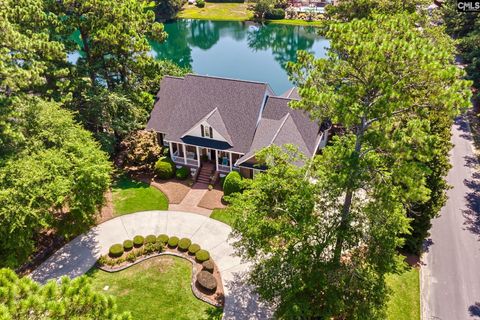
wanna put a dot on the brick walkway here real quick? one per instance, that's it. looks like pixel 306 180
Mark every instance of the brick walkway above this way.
pixel 192 199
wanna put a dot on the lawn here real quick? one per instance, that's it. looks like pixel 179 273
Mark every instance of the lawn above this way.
pixel 130 196
pixel 158 288
pixel 221 215
pixel 217 11
pixel 404 303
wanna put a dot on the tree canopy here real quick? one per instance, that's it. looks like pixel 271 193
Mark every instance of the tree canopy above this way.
pixel 22 298
pixel 323 237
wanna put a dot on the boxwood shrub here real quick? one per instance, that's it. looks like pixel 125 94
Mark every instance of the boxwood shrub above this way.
pixel 208 265
pixel 206 280
pixel 116 250
pixel 184 243
pixel 193 248
pixel 165 168
pixel 138 241
pixel 173 242
pixel 127 245
pixel 150 239
pixel 162 238
pixel 202 255
pixel 232 183
pixel 182 173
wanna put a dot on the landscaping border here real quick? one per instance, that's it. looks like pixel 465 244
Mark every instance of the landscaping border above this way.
pixel 195 270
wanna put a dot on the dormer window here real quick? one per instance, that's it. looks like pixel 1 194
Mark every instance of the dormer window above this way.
pixel 207 131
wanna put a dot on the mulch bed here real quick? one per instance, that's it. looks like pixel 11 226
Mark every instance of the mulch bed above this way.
pixel 212 199
pixel 216 298
pixel 175 190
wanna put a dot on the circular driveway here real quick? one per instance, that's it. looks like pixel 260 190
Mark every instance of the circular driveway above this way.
pixel 79 255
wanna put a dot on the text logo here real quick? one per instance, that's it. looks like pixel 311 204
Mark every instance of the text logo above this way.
pixel 468 6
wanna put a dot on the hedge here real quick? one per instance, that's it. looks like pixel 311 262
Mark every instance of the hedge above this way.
pixel 163 238
pixel 232 183
pixel 207 280
pixel 202 255
pixel 182 173
pixel 116 250
pixel 208 265
pixel 184 243
pixel 127 245
pixel 138 241
pixel 150 239
pixel 275 14
pixel 193 248
pixel 200 3
pixel 173 242
pixel 165 168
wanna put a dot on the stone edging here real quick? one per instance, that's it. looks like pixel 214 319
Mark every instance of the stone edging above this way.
pixel 195 271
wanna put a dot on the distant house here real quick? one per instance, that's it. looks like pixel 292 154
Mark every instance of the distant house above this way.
pixel 226 121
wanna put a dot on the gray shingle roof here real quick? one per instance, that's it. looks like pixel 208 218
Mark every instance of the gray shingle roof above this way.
pixel 183 102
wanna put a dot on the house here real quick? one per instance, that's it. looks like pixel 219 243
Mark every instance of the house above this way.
pixel 226 121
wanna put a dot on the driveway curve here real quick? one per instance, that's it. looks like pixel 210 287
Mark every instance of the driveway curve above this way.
pixel 79 255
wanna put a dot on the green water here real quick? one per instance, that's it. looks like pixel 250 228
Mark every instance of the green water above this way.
pixel 241 50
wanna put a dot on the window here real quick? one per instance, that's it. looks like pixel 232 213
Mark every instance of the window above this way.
pixel 207 131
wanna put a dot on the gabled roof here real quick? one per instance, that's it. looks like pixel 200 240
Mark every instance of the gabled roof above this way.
pixel 184 102
pixel 291 94
pixel 214 119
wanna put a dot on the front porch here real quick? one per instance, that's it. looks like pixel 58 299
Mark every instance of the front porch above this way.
pixel 194 156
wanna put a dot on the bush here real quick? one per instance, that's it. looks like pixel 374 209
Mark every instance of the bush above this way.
pixel 173 242
pixel 149 248
pixel 184 243
pixel 116 250
pixel 140 148
pixel 207 281
pixel 127 245
pixel 131 257
pixel 208 265
pixel 163 238
pixel 165 168
pixel 138 241
pixel 193 248
pixel 226 1
pixel 275 14
pixel 103 260
pixel 232 183
pixel 200 3
pixel 150 239
pixel 202 255
pixel 183 173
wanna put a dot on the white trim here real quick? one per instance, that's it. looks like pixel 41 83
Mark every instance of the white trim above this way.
pixel 216 160
pixel 230 161
pixel 198 156
pixel 184 153
pixel 209 148
pixel 198 123
pixel 170 148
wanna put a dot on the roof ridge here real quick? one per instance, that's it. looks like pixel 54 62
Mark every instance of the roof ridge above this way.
pixel 280 127
pixel 225 78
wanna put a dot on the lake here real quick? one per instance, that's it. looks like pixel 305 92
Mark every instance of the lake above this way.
pixel 241 50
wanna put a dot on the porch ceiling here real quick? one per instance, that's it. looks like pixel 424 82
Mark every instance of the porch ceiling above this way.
pixel 206 143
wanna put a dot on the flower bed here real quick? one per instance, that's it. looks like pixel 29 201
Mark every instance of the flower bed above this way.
pixel 206 287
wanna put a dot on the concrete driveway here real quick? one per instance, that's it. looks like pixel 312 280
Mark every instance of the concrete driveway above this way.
pixel 450 274
pixel 79 255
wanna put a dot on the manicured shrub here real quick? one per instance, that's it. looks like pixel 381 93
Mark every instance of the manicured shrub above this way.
pixel 184 243
pixel 208 265
pixel 138 241
pixel 165 168
pixel 127 245
pixel 232 183
pixel 182 173
pixel 202 255
pixel 207 281
pixel 149 248
pixel 116 250
pixel 103 260
pixel 193 248
pixel 275 14
pixel 200 3
pixel 162 238
pixel 173 242
pixel 150 239
pixel 131 257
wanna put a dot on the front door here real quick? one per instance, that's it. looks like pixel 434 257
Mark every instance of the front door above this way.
pixel 212 155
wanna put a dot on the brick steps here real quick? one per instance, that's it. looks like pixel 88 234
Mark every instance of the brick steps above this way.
pixel 206 171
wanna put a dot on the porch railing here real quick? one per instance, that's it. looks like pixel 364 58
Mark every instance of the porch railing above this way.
pixel 181 160
pixel 223 168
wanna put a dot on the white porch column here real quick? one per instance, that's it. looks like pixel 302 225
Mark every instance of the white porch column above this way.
pixel 230 160
pixel 216 160
pixel 198 157
pixel 170 148
pixel 184 154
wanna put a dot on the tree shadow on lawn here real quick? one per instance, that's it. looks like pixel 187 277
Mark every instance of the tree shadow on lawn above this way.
pixel 124 183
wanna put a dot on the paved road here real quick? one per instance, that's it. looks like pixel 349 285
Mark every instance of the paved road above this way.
pixel 450 275
pixel 79 255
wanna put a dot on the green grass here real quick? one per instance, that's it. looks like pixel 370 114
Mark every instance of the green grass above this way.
pixel 404 302
pixel 158 288
pixel 221 215
pixel 217 11
pixel 132 196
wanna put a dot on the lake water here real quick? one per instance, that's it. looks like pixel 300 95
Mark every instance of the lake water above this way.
pixel 241 50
